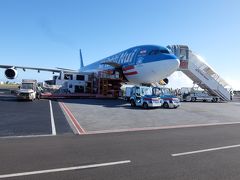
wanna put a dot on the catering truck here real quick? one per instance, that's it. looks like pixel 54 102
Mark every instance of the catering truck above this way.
pixel 27 90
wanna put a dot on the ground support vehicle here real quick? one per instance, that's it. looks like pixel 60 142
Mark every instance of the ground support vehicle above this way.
pixel 127 94
pixel 142 96
pixel 202 96
pixel 191 94
pixel 27 90
pixel 169 100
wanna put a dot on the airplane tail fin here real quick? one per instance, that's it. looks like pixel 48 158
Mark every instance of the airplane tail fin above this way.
pixel 81 59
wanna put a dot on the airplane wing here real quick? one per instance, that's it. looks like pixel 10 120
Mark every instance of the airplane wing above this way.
pixel 11 70
pixel 24 68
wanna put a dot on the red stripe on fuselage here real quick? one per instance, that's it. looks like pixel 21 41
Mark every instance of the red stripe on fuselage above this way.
pixel 127 68
pixel 131 73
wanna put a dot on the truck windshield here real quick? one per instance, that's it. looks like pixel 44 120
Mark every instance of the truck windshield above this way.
pixel 146 91
pixel 161 91
pixel 166 91
pixel 27 86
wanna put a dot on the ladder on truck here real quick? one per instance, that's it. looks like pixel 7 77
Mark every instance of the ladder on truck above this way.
pixel 196 68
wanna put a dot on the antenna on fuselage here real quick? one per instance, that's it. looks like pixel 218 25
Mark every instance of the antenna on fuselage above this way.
pixel 81 59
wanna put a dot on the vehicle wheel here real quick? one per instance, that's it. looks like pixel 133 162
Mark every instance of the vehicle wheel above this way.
pixel 188 98
pixel 132 103
pixel 193 99
pixel 165 105
pixel 145 105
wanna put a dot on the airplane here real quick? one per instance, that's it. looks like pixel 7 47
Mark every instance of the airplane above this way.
pixel 140 64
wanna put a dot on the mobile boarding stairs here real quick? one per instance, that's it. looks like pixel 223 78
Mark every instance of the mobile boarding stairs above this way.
pixel 196 68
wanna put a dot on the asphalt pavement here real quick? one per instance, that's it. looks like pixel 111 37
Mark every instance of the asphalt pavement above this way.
pixel 25 118
pixel 149 154
pixel 98 115
pixel 29 148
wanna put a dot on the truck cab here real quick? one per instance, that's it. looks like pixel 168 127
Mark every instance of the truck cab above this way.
pixel 142 96
pixel 27 90
pixel 169 99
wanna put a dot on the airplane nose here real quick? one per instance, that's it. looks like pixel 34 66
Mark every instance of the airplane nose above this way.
pixel 177 63
pixel 173 61
pixel 171 65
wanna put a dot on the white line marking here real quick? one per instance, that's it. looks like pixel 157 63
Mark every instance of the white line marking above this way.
pixel 63 169
pixel 52 119
pixel 160 128
pixel 27 136
pixel 205 150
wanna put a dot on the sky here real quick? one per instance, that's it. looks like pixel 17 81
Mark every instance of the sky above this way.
pixel 49 33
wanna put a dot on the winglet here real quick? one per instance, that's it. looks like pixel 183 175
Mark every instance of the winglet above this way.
pixel 81 59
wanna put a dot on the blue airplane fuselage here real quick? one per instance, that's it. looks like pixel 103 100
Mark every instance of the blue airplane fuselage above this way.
pixel 140 64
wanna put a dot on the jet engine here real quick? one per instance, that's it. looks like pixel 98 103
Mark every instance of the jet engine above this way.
pixel 164 81
pixel 11 73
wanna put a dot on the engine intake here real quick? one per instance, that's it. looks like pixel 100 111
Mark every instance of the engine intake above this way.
pixel 11 73
pixel 166 80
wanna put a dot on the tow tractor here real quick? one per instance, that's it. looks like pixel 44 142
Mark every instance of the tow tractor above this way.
pixel 142 96
pixel 193 94
pixel 169 100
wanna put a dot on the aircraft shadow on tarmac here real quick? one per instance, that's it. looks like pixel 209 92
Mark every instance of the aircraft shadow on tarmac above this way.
pixel 109 103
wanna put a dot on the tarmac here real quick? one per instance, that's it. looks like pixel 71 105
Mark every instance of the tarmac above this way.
pixel 108 139
pixel 90 116
pixel 96 115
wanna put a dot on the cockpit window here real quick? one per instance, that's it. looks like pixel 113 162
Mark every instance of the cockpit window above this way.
pixel 165 51
pixel 159 51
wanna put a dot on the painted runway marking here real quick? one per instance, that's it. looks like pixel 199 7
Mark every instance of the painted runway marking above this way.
pixel 52 119
pixel 74 121
pixel 27 136
pixel 64 169
pixel 160 128
pixel 205 150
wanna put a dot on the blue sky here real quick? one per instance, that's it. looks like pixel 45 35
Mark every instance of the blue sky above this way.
pixel 49 33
